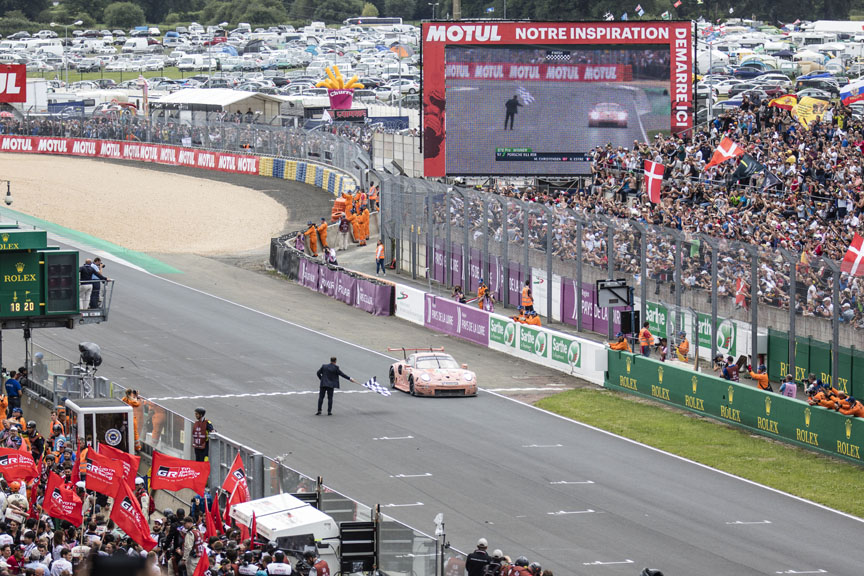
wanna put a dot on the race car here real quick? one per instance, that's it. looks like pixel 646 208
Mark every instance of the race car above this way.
pixel 607 114
pixel 431 372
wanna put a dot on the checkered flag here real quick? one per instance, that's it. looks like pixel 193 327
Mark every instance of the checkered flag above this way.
pixel 558 56
pixel 524 96
pixel 372 384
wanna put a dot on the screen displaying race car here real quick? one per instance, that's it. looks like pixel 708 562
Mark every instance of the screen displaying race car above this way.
pixel 608 114
pixel 431 372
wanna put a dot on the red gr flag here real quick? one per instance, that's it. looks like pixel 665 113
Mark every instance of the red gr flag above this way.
pixel 725 151
pixel 130 462
pixel 203 567
pixel 208 518
pixel 238 496
pixel 17 465
pixel 127 515
pixel 104 474
pixel 61 501
pixel 653 180
pixel 174 474
pixel 236 474
pixel 216 517
pixel 854 258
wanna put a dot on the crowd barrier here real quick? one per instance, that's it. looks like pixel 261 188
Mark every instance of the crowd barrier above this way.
pixel 323 177
pixel 767 413
pixel 564 352
pixel 813 356
pixel 363 292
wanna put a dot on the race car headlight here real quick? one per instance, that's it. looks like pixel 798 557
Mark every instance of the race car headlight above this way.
pixel 468 377
pixel 425 378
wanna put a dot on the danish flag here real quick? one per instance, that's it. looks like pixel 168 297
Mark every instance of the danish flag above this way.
pixel 725 151
pixel 854 257
pixel 653 180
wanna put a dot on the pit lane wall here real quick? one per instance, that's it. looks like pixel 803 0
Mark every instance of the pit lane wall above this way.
pixel 324 177
pixel 576 356
pixel 766 413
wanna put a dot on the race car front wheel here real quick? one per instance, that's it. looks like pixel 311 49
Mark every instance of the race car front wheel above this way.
pixel 411 385
pixel 392 378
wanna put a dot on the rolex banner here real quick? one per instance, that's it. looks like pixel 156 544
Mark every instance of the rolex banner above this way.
pixel 61 501
pixel 17 465
pixel 174 474
pixel 126 514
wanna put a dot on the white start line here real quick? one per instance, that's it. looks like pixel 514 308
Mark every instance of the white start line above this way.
pixel 425 475
pixel 802 572
pixel 543 446
pixel 394 438
pixel 601 563
pixel 254 395
pixel 560 482
pixel 566 512
pixel 741 523
pixel 401 505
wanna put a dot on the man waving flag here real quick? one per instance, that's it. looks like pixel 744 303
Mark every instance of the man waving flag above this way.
pixel 372 384
pixel 725 151
pixel 653 180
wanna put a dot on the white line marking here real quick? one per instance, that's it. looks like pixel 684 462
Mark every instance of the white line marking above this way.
pixel 401 505
pixel 564 513
pixel 677 457
pixel 254 395
pixel 566 482
pixel 543 446
pixel 426 475
pixel 538 389
pixel 394 438
pixel 599 563
pixel 516 400
pixel 740 523
pixel 820 571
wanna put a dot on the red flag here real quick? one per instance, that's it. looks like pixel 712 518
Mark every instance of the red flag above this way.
pixel 240 495
pixel 235 485
pixel 174 474
pixel 34 490
pixel 208 517
pixel 17 465
pixel 653 180
pixel 61 501
pixel 253 529
pixel 104 474
pixel 677 3
pixel 725 151
pixel 217 517
pixel 126 514
pixel 854 257
pixel 244 533
pixel 130 462
pixel 203 567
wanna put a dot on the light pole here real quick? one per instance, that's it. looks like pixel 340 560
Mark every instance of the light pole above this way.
pixel 66 45
pixel 433 5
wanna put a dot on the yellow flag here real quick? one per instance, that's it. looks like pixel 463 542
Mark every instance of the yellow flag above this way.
pixel 809 109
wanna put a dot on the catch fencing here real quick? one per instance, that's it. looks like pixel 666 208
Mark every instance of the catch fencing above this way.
pixel 695 283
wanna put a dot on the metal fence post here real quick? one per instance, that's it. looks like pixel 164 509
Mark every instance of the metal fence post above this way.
pixel 466 246
pixel 505 250
pixel 754 306
pixel 413 235
pixel 610 264
pixel 526 256
pixel 713 298
pixel 580 230
pixel 549 236
pixel 215 459
pixel 835 320
pixel 793 292
pixel 430 233
pixel 187 444
pixel 257 466
pixel 484 259
pixel 448 249
pixel 677 284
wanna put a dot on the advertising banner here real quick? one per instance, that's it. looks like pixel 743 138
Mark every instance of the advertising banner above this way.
pixel 594 318
pixel 514 288
pixel 456 319
pixel 502 331
pixel 475 270
pixel 456 262
pixel 155 153
pixel 309 273
pixel 533 341
pixel 410 304
pixel 373 298
pixel 727 334
pixel 345 288
pixel 496 278
pixel 565 351
pixel 327 281
pixel 480 75
pixel 13 83
pixel 438 256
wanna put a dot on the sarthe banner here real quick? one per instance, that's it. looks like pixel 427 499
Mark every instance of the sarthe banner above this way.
pixel 61 501
pixel 174 474
pixel 130 462
pixel 103 473
pixel 127 515
pixel 17 465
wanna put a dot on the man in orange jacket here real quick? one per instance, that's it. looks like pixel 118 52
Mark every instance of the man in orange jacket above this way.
pixel 364 222
pixel 322 233
pixel 851 407
pixel 621 343
pixel 761 378
pixel 379 258
pixel 646 340
pixel 533 319
pixel 312 234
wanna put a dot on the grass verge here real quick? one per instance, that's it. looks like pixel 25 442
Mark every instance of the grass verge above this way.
pixel 788 468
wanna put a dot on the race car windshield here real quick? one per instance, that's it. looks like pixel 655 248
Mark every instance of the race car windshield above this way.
pixel 432 362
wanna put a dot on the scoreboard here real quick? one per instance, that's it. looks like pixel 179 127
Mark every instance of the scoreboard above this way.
pixel 36 280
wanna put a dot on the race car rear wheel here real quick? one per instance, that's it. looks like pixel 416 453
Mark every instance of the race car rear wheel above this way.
pixel 411 385
pixel 392 378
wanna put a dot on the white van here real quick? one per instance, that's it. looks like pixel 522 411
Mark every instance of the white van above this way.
pixel 136 45
pixel 291 524
pixel 196 62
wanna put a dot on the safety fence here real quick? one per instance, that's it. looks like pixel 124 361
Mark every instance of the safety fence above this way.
pixel 288 257
pixel 401 548
pixel 767 413
pixel 696 283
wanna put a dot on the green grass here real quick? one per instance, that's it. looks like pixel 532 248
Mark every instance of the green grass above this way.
pixel 797 471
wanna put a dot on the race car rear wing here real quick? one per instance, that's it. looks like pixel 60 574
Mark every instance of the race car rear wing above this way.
pixel 406 350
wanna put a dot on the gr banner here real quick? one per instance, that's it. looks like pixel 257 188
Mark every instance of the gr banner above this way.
pixel 172 474
pixel 118 150
pixel 767 413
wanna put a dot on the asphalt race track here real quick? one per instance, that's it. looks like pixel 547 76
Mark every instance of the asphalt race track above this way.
pixel 557 121
pixel 575 499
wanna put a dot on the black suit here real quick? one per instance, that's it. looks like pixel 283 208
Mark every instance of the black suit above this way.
pixel 328 376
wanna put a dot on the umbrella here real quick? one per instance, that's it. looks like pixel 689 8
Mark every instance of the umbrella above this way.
pixel 6 114
pixel 402 51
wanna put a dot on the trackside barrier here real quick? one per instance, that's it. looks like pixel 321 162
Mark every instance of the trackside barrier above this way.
pixel 766 413
pixel 815 356
pixel 564 352
pixel 324 177
pixel 363 292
